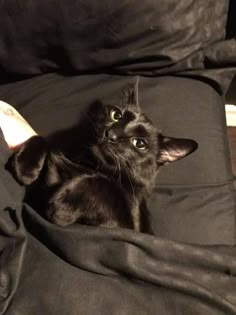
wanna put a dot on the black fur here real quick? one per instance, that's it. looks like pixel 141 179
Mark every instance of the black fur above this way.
pixel 105 170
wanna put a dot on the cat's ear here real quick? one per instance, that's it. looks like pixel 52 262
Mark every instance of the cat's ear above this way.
pixel 173 149
pixel 130 95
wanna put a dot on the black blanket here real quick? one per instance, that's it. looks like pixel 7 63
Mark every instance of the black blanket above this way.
pixel 82 270
pixel 87 270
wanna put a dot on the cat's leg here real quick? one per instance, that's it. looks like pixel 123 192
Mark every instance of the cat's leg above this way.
pixel 62 217
pixel 27 162
pixel 90 200
pixel 64 207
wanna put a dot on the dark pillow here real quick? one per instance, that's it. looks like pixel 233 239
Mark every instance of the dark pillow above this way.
pixel 125 35
pixel 194 200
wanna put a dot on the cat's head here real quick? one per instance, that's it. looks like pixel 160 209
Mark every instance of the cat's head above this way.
pixel 128 143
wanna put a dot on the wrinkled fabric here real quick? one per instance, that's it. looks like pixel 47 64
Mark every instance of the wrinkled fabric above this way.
pixel 187 37
pixel 84 270
pixel 194 200
pixel 87 270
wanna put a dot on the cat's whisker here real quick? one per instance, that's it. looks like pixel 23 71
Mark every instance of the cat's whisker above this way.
pixel 119 178
pixel 119 169
pixel 126 166
pixel 131 184
pixel 117 166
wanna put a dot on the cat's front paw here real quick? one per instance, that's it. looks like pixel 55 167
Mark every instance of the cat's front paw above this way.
pixel 60 217
pixel 27 162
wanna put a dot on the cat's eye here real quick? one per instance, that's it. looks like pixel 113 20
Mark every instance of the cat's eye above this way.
pixel 115 114
pixel 139 143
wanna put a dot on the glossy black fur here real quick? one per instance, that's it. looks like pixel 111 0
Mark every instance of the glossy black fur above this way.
pixel 95 175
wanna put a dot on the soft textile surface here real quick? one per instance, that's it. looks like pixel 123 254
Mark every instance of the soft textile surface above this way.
pixel 85 270
pixel 194 200
pixel 149 37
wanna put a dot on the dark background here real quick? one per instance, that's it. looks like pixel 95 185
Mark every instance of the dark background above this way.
pixel 231 33
pixel 231 94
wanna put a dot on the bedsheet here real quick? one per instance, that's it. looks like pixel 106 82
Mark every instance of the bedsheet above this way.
pixel 87 270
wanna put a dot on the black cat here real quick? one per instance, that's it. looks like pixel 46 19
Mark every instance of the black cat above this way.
pixel 103 172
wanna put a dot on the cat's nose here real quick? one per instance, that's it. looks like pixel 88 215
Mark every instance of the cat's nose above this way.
pixel 111 135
